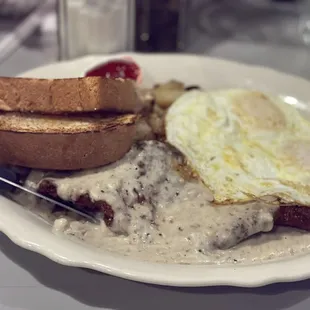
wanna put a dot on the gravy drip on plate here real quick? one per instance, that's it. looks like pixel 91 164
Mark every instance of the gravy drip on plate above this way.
pixel 159 216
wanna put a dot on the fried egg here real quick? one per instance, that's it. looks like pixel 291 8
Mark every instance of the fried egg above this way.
pixel 243 144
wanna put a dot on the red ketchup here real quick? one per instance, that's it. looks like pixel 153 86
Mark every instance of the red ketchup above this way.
pixel 119 68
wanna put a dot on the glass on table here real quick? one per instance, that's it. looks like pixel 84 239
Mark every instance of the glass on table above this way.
pixel 94 26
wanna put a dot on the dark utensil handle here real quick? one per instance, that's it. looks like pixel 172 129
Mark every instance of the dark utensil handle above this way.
pixel 9 175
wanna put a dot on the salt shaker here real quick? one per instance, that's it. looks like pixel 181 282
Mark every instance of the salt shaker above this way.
pixel 94 27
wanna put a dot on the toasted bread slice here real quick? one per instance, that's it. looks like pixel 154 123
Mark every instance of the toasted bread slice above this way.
pixel 62 143
pixel 59 96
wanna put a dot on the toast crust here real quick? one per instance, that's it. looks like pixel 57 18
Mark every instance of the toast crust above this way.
pixel 70 149
pixel 73 95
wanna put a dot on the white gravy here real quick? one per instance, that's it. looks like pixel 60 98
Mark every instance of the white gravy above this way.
pixel 159 216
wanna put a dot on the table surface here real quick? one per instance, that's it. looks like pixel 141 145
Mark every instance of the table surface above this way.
pixel 29 281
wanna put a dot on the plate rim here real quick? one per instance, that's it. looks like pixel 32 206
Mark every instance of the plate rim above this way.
pixel 253 275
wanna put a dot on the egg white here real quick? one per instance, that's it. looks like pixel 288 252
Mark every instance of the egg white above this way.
pixel 243 144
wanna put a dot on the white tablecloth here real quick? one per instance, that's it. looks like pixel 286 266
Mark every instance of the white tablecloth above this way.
pixel 29 281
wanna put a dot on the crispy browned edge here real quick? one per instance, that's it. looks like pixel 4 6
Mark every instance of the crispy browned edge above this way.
pixel 58 96
pixel 66 151
pixel 84 201
pixel 84 122
pixel 293 216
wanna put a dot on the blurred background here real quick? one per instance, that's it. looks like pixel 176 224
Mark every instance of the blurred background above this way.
pixel 273 33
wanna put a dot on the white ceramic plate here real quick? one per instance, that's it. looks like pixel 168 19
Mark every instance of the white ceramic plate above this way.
pixel 30 232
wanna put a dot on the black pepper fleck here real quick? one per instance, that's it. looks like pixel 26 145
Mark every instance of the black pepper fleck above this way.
pixel 141 164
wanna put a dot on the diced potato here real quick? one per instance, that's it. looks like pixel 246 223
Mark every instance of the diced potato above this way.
pixel 166 94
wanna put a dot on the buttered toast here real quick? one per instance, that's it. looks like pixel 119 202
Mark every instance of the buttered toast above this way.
pixel 62 143
pixel 75 95
pixel 66 124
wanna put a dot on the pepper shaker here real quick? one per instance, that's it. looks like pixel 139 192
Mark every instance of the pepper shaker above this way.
pixel 160 25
